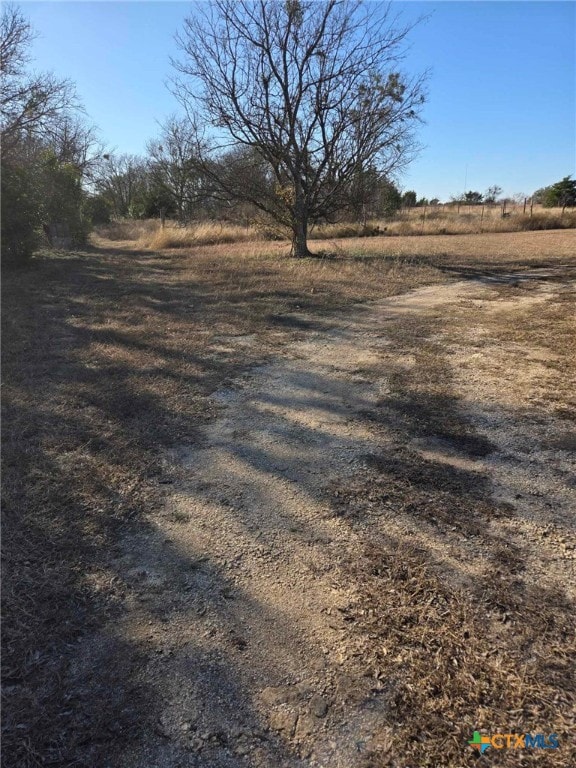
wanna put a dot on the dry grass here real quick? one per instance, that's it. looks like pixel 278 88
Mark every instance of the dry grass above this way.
pixel 151 235
pixel 206 233
pixel 127 230
pixel 447 220
pixel 552 327
pixel 439 220
pixel 453 661
pixel 499 251
pixel 457 637
pixel 433 221
pixel 109 356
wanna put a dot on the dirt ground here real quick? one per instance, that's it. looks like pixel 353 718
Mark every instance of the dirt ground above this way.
pixel 360 553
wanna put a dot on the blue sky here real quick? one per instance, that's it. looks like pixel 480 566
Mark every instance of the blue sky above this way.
pixel 502 90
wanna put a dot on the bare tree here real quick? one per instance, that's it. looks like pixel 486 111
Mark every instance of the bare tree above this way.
pixel 314 88
pixel 15 37
pixel 76 142
pixel 492 194
pixel 175 166
pixel 122 180
pixel 29 102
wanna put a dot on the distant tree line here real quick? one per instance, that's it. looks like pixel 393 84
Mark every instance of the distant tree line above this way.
pixel 472 197
pixel 170 181
pixel 559 195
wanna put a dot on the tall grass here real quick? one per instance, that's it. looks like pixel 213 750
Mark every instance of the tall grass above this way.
pixel 437 220
pixel 449 220
pixel 148 233
pixel 204 233
pixel 127 229
pixel 444 220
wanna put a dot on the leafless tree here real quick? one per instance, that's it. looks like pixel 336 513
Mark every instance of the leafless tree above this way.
pixel 175 167
pixel 122 179
pixel 75 141
pixel 314 88
pixel 492 194
pixel 29 102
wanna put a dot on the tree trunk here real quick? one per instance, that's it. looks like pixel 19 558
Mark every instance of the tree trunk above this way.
pixel 300 228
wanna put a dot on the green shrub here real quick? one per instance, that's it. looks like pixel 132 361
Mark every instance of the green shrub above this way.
pixel 97 210
pixel 63 198
pixel 560 194
pixel 20 214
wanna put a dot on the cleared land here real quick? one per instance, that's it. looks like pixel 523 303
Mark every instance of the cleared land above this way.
pixel 251 522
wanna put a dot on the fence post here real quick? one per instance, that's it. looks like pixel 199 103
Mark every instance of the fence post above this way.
pixel 524 211
pixel 531 206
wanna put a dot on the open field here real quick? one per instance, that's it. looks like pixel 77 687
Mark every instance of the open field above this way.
pixel 436 220
pixel 451 220
pixel 271 512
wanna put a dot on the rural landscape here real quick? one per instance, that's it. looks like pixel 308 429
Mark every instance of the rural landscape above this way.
pixel 289 449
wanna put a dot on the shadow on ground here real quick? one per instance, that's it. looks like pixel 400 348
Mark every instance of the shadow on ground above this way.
pixel 99 377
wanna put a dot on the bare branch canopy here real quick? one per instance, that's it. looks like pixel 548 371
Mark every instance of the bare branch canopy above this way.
pixel 311 89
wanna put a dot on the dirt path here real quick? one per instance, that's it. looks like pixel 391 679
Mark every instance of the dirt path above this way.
pixel 240 588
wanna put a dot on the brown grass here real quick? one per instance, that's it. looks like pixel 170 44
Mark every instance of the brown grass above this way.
pixel 501 251
pixel 455 641
pixel 128 230
pixel 447 220
pixel 108 357
pixel 552 326
pixel 206 233
pixel 438 220
pixel 498 251
pixel 453 661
